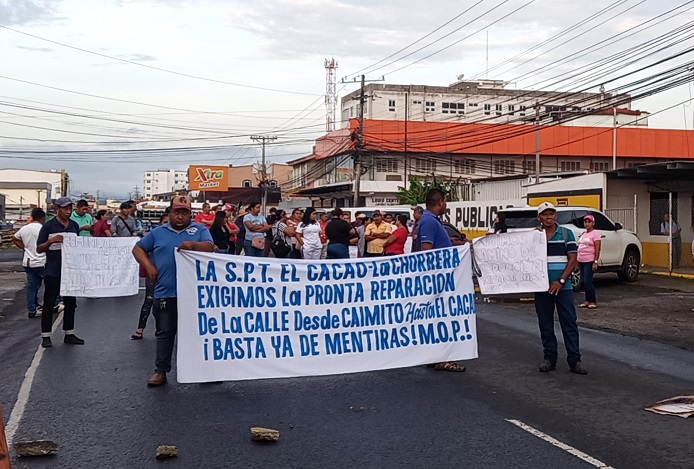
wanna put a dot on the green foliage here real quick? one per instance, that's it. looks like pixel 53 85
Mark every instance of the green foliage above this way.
pixel 416 193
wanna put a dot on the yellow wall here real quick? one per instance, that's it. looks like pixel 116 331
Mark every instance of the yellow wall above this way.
pixel 656 254
pixel 586 200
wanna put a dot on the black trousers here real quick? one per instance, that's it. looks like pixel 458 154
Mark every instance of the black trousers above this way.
pixel 50 295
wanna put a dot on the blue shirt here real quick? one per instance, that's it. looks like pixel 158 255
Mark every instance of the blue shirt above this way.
pixel 54 256
pixel 430 230
pixel 558 248
pixel 255 220
pixel 162 243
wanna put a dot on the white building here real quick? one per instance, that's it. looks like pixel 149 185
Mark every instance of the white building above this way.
pixel 488 101
pixel 57 179
pixel 164 180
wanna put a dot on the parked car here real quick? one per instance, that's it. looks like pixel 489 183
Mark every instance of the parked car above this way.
pixel 620 250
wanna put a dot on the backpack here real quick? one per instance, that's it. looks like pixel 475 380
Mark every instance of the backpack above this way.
pixel 279 245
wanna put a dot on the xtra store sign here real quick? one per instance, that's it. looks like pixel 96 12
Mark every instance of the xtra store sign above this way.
pixel 208 177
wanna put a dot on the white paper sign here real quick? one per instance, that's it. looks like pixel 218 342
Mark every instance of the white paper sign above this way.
pixel 98 267
pixel 248 318
pixel 512 262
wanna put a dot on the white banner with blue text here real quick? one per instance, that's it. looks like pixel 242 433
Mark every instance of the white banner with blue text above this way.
pixel 250 318
pixel 512 262
pixel 98 267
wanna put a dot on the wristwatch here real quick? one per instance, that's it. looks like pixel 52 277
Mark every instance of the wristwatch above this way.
pixel 562 281
pixel 595 261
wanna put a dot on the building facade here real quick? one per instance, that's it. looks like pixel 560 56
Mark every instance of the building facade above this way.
pixel 163 181
pixel 58 180
pixel 489 101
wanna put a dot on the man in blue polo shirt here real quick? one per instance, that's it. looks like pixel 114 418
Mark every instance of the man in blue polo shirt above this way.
pixel 182 234
pixel 432 235
pixel 561 261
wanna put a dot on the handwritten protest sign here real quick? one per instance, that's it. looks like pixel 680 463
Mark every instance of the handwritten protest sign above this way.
pixel 247 318
pixel 98 267
pixel 512 262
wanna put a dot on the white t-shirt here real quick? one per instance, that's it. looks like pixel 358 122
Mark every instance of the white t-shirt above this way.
pixel 28 234
pixel 310 233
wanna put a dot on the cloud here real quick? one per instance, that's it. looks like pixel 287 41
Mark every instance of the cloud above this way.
pixel 36 49
pixel 16 12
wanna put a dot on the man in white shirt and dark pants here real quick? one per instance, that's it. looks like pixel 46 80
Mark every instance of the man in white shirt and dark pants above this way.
pixel 33 262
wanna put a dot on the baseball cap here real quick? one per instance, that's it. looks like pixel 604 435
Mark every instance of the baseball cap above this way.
pixel 63 202
pixel 361 215
pixel 377 212
pixel 418 209
pixel 181 201
pixel 545 206
pixel 589 217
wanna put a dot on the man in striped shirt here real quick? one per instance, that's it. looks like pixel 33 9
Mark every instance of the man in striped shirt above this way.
pixel 561 261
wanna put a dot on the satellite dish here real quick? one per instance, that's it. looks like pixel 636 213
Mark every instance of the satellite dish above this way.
pixel 461 76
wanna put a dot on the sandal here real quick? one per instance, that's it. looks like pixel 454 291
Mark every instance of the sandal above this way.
pixel 449 366
pixel 136 336
pixel 585 304
pixel 592 306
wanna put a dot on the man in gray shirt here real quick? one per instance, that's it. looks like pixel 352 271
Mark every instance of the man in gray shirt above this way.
pixel 124 225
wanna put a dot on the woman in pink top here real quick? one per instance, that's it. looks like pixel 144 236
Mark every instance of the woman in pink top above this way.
pixel 588 255
pixel 395 244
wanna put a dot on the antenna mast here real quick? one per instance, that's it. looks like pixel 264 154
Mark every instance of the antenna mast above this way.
pixel 330 94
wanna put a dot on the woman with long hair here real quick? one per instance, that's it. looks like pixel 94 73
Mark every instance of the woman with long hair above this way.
pixel 256 227
pixel 588 255
pixel 281 245
pixel 308 235
pixel 395 243
pixel 500 223
pixel 220 233
pixel 101 227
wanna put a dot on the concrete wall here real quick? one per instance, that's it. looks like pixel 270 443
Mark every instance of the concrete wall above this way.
pixel 54 178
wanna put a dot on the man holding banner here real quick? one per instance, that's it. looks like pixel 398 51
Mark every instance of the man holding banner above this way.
pixel 182 234
pixel 432 235
pixel 561 261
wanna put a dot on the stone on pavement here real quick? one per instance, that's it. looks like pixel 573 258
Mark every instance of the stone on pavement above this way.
pixel 167 451
pixel 35 448
pixel 264 434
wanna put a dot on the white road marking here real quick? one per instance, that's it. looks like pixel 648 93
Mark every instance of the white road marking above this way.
pixel 25 389
pixel 569 449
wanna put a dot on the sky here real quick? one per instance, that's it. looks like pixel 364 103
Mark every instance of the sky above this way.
pixel 178 82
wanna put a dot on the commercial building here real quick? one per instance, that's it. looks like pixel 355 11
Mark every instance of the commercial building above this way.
pixel 57 179
pixel 162 181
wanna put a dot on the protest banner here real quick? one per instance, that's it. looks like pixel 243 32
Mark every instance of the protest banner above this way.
pixel 98 267
pixel 512 262
pixel 248 318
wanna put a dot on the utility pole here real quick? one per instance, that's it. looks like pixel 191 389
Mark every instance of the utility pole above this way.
pixel 537 142
pixel 263 139
pixel 360 139
pixel 614 138
pixel 136 192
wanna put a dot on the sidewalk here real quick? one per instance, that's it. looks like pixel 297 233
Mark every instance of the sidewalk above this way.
pixel 682 272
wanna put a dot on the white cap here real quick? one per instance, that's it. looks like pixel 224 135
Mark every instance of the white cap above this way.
pixel 545 206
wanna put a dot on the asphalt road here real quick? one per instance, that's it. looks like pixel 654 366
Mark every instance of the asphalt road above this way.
pixel 92 400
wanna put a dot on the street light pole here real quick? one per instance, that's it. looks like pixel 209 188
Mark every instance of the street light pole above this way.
pixel 263 139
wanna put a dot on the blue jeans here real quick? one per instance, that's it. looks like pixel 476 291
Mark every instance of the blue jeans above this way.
pixel 338 251
pixel 166 317
pixel 587 277
pixel 34 280
pixel 251 251
pixel 544 307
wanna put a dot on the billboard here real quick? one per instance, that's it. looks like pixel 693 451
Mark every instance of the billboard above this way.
pixel 204 177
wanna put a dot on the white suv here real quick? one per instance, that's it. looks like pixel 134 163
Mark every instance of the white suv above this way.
pixel 620 249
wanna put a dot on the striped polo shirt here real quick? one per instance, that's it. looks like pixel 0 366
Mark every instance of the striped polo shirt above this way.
pixel 558 246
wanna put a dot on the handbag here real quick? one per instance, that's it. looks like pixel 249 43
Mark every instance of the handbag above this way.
pixel 258 242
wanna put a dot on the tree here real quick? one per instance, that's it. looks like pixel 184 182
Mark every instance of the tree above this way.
pixel 417 192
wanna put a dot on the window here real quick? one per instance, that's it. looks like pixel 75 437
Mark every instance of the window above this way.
pixel 570 165
pixel 272 184
pixel 487 109
pixel 464 166
pixel 602 222
pixel 521 108
pixel 148 181
pixel 599 166
pixel 425 166
pixel 430 106
pixel 452 108
pixel 473 105
pixel 512 109
pixel 504 166
pixel 498 108
pixel 391 105
pixel 386 165
pixel 529 167
pixel 417 101
pixel 247 183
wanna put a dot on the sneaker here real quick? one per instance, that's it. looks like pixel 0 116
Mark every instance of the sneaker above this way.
pixel 39 311
pixel 46 342
pixel 157 379
pixel 73 339
pixel 547 365
pixel 578 369
pixel 32 314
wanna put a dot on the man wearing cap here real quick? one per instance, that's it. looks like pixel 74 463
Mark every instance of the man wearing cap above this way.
pixel 50 241
pixel 155 252
pixel 376 234
pixel 561 261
